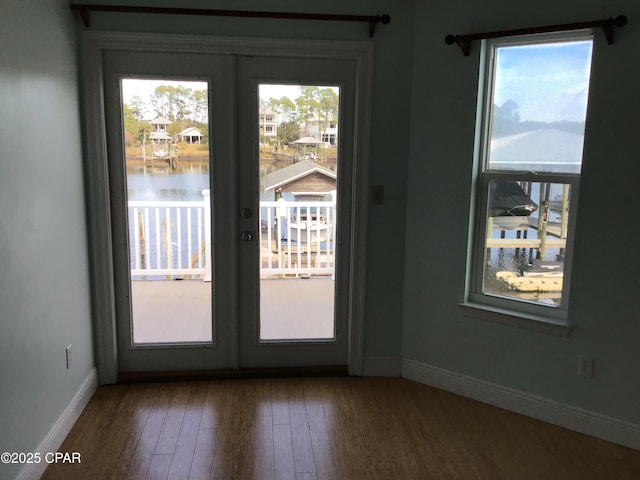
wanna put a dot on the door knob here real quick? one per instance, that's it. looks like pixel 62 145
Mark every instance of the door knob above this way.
pixel 246 236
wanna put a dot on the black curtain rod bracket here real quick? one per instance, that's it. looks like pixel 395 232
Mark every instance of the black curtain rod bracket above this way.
pixel 84 10
pixel 608 26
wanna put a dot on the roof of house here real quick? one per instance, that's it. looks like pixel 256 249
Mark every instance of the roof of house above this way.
pixel 308 141
pixel 294 172
pixel 160 136
pixel 191 132
pixel 160 121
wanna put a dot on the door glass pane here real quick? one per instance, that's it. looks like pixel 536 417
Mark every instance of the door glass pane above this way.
pixel 526 240
pixel 298 165
pixel 167 178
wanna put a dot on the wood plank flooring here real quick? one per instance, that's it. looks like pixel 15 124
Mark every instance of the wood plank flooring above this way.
pixel 323 428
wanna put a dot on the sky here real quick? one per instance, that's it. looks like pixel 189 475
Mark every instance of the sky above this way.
pixel 549 82
pixel 268 91
pixel 144 89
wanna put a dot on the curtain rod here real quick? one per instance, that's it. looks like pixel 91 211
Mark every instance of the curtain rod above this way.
pixel 85 13
pixel 464 41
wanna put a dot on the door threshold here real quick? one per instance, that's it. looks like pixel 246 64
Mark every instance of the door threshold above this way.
pixel 271 372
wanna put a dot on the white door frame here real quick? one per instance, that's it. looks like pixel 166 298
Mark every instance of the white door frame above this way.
pixel 99 216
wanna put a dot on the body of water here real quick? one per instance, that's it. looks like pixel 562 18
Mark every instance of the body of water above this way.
pixel 154 183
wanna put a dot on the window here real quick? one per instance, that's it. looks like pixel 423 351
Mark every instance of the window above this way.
pixel 530 157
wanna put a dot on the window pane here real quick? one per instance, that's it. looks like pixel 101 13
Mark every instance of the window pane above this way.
pixel 299 166
pixel 168 194
pixel 539 107
pixel 526 240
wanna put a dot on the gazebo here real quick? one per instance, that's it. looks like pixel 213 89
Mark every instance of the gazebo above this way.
pixel 160 137
pixel 302 146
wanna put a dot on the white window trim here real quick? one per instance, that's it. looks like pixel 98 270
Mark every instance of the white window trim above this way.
pixel 553 320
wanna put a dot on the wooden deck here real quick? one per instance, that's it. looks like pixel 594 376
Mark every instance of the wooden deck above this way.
pixel 295 308
pixel 180 311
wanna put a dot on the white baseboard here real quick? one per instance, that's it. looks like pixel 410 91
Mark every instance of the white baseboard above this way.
pixel 382 366
pixel 62 427
pixel 563 415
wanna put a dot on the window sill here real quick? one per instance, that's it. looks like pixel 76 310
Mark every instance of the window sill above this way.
pixel 516 319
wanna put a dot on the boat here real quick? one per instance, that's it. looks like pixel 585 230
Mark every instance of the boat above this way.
pixel 509 205
pixel 540 268
pixel 310 226
pixel 160 150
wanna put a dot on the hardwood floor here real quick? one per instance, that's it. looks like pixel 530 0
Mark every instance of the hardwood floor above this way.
pixel 323 428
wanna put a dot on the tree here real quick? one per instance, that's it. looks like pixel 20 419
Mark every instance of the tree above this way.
pixel 180 98
pixel 506 119
pixel 130 124
pixel 144 130
pixel 160 100
pixel 285 109
pixel 200 106
pixel 288 108
pixel 288 132
pixel 134 128
pixel 328 108
pixel 137 107
pixel 307 104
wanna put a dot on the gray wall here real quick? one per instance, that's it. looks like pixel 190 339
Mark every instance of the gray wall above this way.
pixel 603 304
pixel 44 291
pixel 390 122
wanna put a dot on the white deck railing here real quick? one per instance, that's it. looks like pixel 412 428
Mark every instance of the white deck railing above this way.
pixel 297 238
pixel 171 238
pixel 167 238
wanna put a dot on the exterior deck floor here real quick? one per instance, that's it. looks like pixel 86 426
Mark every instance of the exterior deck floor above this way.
pixel 170 311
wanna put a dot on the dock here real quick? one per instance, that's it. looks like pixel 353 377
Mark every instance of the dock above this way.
pixel 525 243
pixel 553 239
pixel 547 283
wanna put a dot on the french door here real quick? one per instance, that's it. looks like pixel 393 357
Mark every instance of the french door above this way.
pixel 229 184
pixel 292 310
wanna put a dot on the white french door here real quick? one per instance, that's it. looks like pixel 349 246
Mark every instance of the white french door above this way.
pixel 227 231
pixel 291 275
pixel 172 217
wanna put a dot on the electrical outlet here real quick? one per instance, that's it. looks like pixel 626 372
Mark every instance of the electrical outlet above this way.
pixel 585 366
pixel 69 359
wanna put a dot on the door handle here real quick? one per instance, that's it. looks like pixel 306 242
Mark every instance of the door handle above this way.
pixel 246 213
pixel 246 236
